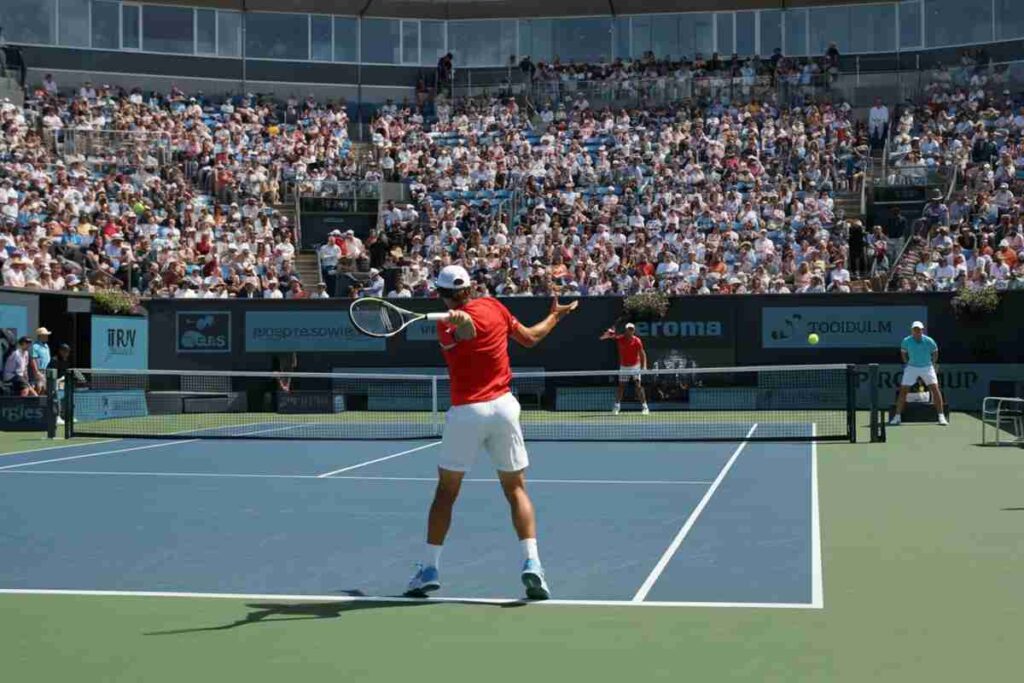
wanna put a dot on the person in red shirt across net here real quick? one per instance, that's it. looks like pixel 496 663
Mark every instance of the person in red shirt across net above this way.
pixel 484 417
pixel 632 361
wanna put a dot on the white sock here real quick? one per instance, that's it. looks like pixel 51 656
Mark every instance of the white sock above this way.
pixel 434 555
pixel 529 546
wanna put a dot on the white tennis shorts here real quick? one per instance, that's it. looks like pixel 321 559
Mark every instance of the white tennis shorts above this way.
pixel 927 374
pixel 491 427
pixel 628 372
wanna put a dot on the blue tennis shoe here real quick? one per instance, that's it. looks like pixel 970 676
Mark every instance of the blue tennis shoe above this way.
pixel 425 581
pixel 533 579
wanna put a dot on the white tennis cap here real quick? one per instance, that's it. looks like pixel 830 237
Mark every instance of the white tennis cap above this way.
pixel 630 326
pixel 917 324
pixel 452 277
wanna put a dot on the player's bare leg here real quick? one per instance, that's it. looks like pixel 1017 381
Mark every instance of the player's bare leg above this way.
pixel 513 484
pixel 449 483
pixel 901 402
pixel 620 391
pixel 937 400
pixel 427 577
pixel 641 395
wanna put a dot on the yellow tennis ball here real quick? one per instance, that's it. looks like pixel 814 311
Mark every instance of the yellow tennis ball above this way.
pixel 812 339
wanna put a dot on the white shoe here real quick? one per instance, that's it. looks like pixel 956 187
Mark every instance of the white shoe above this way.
pixel 943 421
pixel 645 410
pixel 60 420
pixel 895 420
pixel 615 409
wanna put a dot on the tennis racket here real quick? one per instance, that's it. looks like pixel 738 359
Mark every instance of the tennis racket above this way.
pixel 380 318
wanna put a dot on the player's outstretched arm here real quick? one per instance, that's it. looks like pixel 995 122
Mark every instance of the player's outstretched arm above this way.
pixel 608 334
pixel 531 336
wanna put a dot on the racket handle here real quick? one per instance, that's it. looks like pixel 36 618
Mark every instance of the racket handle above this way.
pixel 437 316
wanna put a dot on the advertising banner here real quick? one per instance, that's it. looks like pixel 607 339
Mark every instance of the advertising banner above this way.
pixel 838 327
pixel 203 331
pixel 107 405
pixel 963 385
pixel 276 331
pixel 120 343
pixel 26 414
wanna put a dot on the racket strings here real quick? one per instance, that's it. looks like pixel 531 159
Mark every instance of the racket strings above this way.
pixel 379 318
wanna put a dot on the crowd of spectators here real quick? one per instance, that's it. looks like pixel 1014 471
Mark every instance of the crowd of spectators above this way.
pixel 181 196
pixel 971 235
pixel 573 199
pixel 653 79
pixel 163 195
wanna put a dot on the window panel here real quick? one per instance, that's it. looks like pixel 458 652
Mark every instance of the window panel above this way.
pixel 771 32
pixel 73 16
pixel 829 25
pixel 130 27
pixel 482 43
pixel 796 32
pixel 206 32
pixel 1009 19
pixel 723 33
pixel 276 36
pixel 432 43
pixel 346 39
pixel 955 22
pixel 641 35
pixel 410 41
pixel 872 28
pixel 322 43
pixel 696 34
pixel 621 37
pixel 29 22
pixel 746 30
pixel 380 40
pixel 229 33
pixel 582 40
pixel 106 19
pixel 665 37
pixel 910 23
pixel 167 29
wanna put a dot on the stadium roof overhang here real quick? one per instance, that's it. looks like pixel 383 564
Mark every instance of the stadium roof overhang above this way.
pixel 488 9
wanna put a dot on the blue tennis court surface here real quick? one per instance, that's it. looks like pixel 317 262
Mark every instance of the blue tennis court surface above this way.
pixel 629 522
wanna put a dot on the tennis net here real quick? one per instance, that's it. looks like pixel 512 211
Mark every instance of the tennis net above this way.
pixel 784 403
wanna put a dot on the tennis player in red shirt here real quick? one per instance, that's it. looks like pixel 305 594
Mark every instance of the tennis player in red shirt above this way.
pixel 484 417
pixel 632 361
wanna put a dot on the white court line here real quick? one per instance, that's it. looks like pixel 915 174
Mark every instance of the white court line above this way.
pixel 64 445
pixel 386 599
pixel 226 475
pixel 325 475
pixel 92 455
pixel 817 573
pixel 648 583
pixel 126 450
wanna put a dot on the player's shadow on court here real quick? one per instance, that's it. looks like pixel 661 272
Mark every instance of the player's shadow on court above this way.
pixel 273 613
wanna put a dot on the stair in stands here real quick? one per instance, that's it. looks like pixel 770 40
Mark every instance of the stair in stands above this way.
pixel 308 268
pixel 848 203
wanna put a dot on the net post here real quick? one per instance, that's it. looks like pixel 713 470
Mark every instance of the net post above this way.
pixel 69 404
pixel 876 436
pixel 52 407
pixel 433 404
pixel 851 403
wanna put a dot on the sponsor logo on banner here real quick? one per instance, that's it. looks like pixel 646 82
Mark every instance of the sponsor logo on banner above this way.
pixel 422 330
pixel 274 331
pixel 22 414
pixel 120 343
pixel 838 326
pixel 204 332
pixel 107 405
pixel 680 328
